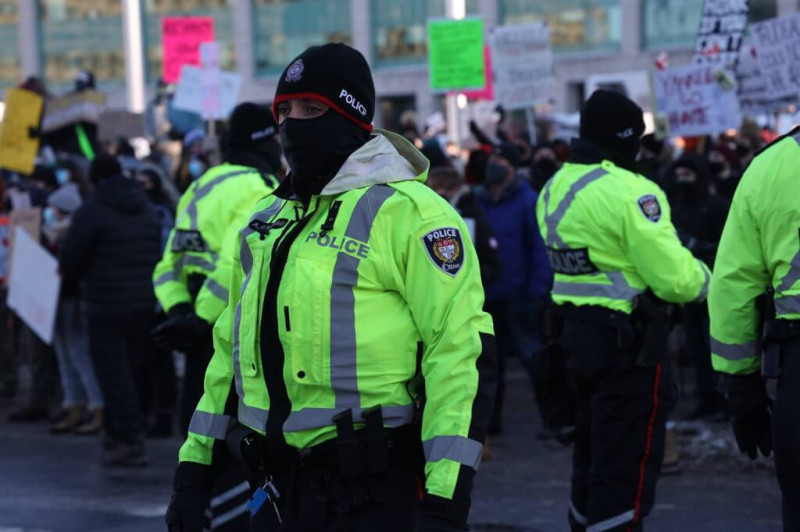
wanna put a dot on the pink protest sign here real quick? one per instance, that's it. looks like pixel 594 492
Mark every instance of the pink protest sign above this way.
pixel 181 38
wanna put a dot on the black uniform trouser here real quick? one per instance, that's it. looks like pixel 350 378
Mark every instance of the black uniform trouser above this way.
pixel 193 379
pixel 786 433
pixel 621 412
pixel 317 498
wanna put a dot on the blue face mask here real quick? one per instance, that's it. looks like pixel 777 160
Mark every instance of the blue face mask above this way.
pixel 196 168
pixel 62 176
pixel 49 217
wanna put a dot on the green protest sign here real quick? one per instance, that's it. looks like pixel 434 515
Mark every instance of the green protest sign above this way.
pixel 455 54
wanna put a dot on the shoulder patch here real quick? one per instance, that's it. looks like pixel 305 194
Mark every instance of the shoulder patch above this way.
pixel 445 249
pixel 650 207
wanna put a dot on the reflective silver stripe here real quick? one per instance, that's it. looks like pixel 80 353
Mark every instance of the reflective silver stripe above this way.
pixel 552 220
pixel 612 522
pixel 617 290
pixel 343 363
pixel 228 516
pixel 200 262
pixel 219 291
pixel 315 418
pixel 796 137
pixel 205 190
pixel 456 448
pixel 576 515
pixel 250 416
pixel 734 351
pixel 211 425
pixel 165 278
pixel 787 305
pixel 244 487
pixel 703 291
pixel 792 276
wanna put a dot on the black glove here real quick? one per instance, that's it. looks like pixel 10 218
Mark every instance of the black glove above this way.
pixel 183 331
pixel 749 405
pixel 429 522
pixel 187 508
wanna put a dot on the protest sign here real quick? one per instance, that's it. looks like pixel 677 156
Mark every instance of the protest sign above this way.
pixel 116 124
pixel 34 285
pixel 455 54
pixel 751 85
pixel 84 106
pixel 181 38
pixel 777 44
pixel 487 92
pixel 697 99
pixel 189 93
pixel 721 30
pixel 18 142
pixel 523 65
pixel 212 97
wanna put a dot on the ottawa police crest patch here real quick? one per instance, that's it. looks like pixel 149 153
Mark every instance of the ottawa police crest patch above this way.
pixel 295 71
pixel 446 249
pixel 650 207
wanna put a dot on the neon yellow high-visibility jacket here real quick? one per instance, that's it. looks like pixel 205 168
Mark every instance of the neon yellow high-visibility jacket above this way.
pixel 609 237
pixel 213 208
pixel 760 246
pixel 374 281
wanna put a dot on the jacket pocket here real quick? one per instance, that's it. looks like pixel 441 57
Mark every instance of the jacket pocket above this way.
pixel 306 321
pixel 251 304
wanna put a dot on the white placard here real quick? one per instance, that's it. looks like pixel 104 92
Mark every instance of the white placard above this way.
pixel 752 85
pixel 34 286
pixel 777 44
pixel 522 62
pixel 697 100
pixel 189 93
pixel 212 85
pixel 719 37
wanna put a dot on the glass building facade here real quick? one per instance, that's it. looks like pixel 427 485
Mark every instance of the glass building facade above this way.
pixel 282 29
pixel 9 44
pixel 399 29
pixel 673 23
pixel 575 25
pixel 155 10
pixel 81 35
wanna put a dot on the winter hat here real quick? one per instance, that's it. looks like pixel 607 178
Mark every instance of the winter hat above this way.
pixel 104 166
pixel 66 199
pixel 251 123
pixel 509 152
pixel 613 121
pixel 192 136
pixel 335 75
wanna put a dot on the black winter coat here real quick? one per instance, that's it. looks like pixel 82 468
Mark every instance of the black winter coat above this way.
pixel 485 241
pixel 112 246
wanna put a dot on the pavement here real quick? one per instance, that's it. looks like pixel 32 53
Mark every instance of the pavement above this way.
pixel 56 483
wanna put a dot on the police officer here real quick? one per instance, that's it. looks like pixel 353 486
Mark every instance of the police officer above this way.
pixel 760 249
pixel 615 253
pixel 191 281
pixel 353 354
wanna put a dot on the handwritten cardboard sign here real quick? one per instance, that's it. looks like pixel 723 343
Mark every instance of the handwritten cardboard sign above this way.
pixel 190 94
pixel 523 65
pixel 719 37
pixel 181 38
pixel 84 106
pixel 697 99
pixel 455 54
pixel 18 147
pixel 777 46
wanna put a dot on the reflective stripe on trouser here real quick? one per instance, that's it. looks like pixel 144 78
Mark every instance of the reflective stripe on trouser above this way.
pixel 456 448
pixel 734 351
pixel 227 508
pixel 621 412
pixel 343 349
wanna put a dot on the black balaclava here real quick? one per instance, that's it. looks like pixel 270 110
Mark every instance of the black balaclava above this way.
pixel 316 148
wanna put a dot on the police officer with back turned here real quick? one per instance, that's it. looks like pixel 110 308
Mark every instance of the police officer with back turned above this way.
pixel 617 260
pixel 353 369
pixel 760 250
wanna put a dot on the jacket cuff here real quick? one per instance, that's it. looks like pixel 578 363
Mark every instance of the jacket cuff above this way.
pixel 451 510
pixel 180 309
pixel 193 475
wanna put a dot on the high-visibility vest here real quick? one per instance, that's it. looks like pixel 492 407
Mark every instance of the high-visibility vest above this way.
pixel 760 247
pixel 210 211
pixel 609 238
pixel 380 281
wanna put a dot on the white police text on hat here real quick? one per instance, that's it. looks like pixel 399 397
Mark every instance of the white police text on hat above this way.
pixel 352 102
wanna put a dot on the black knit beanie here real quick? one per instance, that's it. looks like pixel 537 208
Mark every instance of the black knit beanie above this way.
pixel 250 124
pixel 612 121
pixel 104 166
pixel 335 75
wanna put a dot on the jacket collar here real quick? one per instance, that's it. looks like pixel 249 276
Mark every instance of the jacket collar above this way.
pixel 587 152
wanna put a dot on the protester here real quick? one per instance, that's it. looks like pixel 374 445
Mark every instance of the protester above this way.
pixel 723 167
pixel 515 300
pixel 193 162
pixel 544 164
pixel 112 245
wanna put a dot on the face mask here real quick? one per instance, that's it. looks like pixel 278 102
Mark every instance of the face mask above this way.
pixel 716 167
pixel 496 172
pixel 195 168
pixel 62 176
pixel 316 148
pixel 545 168
pixel 49 217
